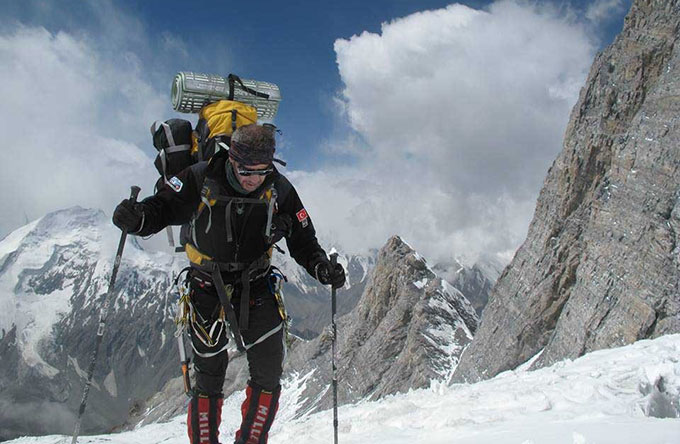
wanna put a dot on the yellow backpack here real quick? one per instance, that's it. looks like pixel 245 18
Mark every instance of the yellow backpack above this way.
pixel 216 123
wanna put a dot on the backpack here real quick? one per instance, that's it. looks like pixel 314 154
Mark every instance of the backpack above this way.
pixel 179 146
pixel 216 123
pixel 173 140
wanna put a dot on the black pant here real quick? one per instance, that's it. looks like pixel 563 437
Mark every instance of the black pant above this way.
pixel 265 360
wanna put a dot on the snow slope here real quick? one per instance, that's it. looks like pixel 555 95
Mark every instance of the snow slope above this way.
pixel 625 395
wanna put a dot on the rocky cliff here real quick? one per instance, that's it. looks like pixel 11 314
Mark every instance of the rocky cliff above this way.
pixel 601 263
pixel 474 282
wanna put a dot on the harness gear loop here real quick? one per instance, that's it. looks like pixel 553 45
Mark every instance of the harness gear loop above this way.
pixel 183 309
pixel 187 315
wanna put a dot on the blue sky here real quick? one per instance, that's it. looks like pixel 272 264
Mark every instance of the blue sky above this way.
pixel 104 70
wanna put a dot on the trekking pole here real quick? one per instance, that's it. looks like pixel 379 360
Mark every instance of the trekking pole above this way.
pixel 334 261
pixel 134 192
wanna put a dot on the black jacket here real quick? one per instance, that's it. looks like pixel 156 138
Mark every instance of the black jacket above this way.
pixel 178 200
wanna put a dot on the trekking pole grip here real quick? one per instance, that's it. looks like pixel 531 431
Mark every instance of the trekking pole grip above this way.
pixel 134 192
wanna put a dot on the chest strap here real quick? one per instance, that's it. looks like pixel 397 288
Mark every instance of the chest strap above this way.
pixel 208 200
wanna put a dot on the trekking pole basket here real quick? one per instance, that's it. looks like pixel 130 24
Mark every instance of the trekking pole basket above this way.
pixel 192 91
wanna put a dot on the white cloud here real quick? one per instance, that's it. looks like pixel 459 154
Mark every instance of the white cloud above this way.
pixel 463 112
pixel 81 83
pixel 67 122
pixel 359 209
pixel 602 10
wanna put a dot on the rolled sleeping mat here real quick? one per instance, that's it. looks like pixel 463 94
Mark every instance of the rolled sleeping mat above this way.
pixel 192 91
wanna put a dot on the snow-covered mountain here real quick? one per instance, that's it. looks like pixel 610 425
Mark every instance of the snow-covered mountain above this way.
pixel 624 395
pixel 474 282
pixel 54 276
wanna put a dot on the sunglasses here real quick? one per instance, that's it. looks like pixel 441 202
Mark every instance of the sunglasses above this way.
pixel 246 172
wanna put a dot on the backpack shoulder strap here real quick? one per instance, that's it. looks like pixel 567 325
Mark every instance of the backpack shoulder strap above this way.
pixel 283 187
pixel 199 171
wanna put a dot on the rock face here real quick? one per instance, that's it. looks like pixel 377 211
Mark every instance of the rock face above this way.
pixel 408 328
pixel 601 263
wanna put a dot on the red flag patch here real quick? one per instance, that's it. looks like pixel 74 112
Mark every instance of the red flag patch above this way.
pixel 302 217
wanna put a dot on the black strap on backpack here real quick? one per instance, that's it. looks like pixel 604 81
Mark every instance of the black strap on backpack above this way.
pixel 234 78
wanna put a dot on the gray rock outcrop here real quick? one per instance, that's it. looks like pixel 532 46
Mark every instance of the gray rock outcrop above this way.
pixel 601 263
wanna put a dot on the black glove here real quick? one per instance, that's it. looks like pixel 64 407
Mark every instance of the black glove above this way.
pixel 282 226
pixel 328 275
pixel 129 216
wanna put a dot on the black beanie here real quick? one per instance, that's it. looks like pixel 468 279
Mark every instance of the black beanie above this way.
pixel 253 145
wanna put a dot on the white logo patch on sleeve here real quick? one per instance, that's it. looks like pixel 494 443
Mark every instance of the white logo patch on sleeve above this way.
pixel 175 184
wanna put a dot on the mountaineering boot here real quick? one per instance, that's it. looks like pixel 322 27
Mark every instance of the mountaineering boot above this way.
pixel 258 412
pixel 203 420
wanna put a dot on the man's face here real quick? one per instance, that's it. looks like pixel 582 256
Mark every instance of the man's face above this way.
pixel 250 182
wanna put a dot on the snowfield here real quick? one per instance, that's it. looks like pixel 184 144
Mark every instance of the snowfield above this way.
pixel 625 395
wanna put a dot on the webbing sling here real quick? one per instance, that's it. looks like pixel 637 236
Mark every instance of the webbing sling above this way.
pixel 226 304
